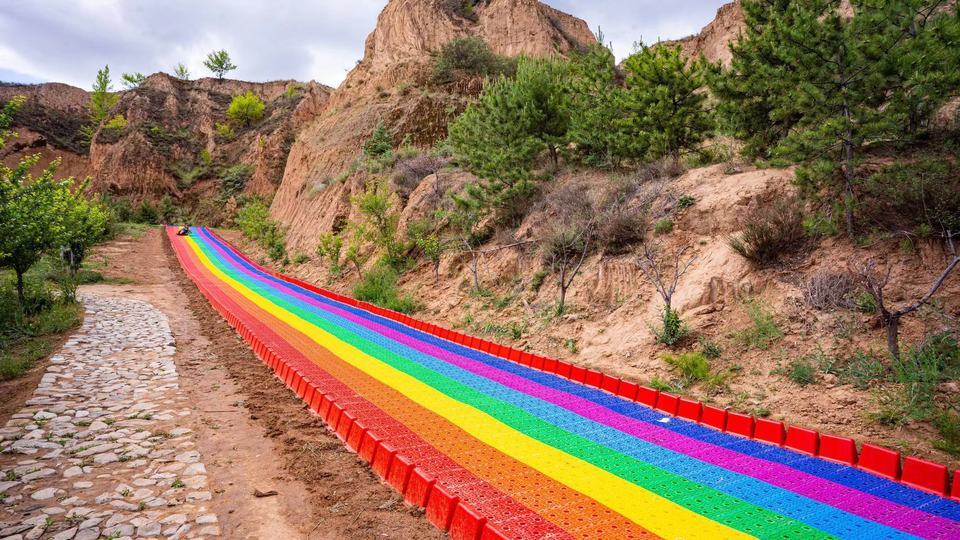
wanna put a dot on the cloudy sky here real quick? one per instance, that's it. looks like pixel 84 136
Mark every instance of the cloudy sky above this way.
pixel 67 40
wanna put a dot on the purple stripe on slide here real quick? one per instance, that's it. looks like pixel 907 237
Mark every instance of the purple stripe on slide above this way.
pixel 862 504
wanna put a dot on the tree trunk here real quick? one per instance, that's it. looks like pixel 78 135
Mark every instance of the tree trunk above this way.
pixel 893 336
pixel 848 177
pixel 19 287
pixel 554 157
pixel 475 270
pixel 436 271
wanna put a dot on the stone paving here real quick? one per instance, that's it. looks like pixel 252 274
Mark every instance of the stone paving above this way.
pixel 101 449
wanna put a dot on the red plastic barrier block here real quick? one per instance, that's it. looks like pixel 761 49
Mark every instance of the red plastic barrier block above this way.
pixel 925 475
pixel 440 507
pixel 383 459
pixel 647 396
pixel 805 441
pixel 356 435
pixel 668 403
pixel 419 487
pixel 838 449
pixel 610 384
pixel 466 524
pixel 593 378
pixel 513 355
pixel 577 374
pixel 400 473
pixel 315 399
pixel 770 431
pixel 308 392
pixel 490 532
pixel 690 409
pixel 323 409
pixel 526 358
pixel 955 494
pixel 740 424
pixel 537 362
pixel 880 461
pixel 343 427
pixel 550 366
pixel 333 416
pixel 485 346
pixel 369 444
pixel 628 390
pixel 563 369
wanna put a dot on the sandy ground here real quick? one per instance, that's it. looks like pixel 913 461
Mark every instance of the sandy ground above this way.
pixel 255 434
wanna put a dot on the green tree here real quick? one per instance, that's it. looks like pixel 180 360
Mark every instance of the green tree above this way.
pixel 246 108
pixel 219 63
pixel 468 57
pixel 132 80
pixel 181 72
pixel 596 109
pixel 380 221
pixel 664 100
pixel 31 216
pixel 380 143
pixel 85 224
pixel 102 102
pixel 6 117
pixel 818 84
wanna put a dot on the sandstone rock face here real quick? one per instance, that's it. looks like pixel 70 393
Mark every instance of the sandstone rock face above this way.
pixel 48 124
pixel 172 127
pixel 391 84
pixel 713 42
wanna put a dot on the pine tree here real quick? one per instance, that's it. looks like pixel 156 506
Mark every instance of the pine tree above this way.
pixel 133 80
pixel 181 72
pixel 596 109
pixel 380 143
pixel 664 100
pixel 818 84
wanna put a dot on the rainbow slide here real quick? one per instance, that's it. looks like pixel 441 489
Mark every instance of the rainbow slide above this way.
pixel 495 443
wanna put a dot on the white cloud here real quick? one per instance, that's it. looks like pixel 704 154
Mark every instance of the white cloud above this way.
pixel 68 40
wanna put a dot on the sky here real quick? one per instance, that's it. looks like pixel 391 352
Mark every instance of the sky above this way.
pixel 68 40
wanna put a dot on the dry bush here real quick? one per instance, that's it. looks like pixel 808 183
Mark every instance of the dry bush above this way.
pixel 621 229
pixel 662 169
pixel 828 291
pixel 771 231
pixel 409 172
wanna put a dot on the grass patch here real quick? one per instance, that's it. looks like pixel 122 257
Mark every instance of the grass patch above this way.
pixel 764 330
pixel 379 286
pixel 23 345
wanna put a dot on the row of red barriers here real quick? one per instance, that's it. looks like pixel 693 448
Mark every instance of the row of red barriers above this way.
pixel 911 471
pixel 444 510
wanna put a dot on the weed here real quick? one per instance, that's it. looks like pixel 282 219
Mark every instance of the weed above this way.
pixel 866 303
pixel 142 506
pixel 709 348
pixel 664 226
pixel 686 201
pixel 177 484
pixel 770 232
pixel 692 367
pixel 379 286
pixel 948 426
pixel 862 370
pixel 571 345
pixel 126 493
pixel 801 371
pixel 665 386
pixel 538 279
pixel 673 329
pixel 764 330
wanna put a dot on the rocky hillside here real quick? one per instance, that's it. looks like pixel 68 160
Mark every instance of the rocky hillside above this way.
pixel 391 84
pixel 48 123
pixel 713 42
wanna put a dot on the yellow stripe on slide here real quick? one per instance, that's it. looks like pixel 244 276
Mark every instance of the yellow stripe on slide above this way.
pixel 654 513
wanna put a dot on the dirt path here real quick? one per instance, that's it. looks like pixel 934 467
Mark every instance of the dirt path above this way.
pixel 253 434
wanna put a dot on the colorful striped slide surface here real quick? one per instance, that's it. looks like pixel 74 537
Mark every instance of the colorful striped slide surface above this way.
pixel 495 449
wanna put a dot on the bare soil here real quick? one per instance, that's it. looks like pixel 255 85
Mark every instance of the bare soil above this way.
pixel 254 433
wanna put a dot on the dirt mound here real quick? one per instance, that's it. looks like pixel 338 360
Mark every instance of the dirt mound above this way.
pixel 391 84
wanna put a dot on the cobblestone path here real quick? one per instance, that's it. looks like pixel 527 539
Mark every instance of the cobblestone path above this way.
pixel 101 449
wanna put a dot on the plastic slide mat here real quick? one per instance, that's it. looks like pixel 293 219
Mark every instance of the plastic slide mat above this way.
pixel 498 443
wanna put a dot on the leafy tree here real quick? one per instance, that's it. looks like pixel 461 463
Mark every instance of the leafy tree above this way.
pixel 380 221
pixel 818 85
pixel 596 109
pixel 102 101
pixel 664 101
pixel 181 72
pixel 6 117
pixel 380 143
pixel 31 216
pixel 219 63
pixel 133 80
pixel 246 108
pixel 85 224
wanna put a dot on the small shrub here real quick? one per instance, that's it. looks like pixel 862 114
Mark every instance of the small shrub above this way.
pixel 862 370
pixel 146 213
pixel 801 371
pixel 410 171
pixel 618 231
pixel 866 303
pixel 301 258
pixel 664 226
pixel 764 330
pixel 538 278
pixel 665 386
pixel 661 169
pixel 330 248
pixel 770 232
pixel 380 143
pixel 914 195
pixel 947 424
pixel 466 57
pixel 225 131
pixel 118 122
pixel 827 291
pixel 686 201
pixel 254 222
pixel 245 109
pixel 379 286
pixel 709 348
pixel 673 329
pixel 692 367
pixel 819 225
pixel 234 178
